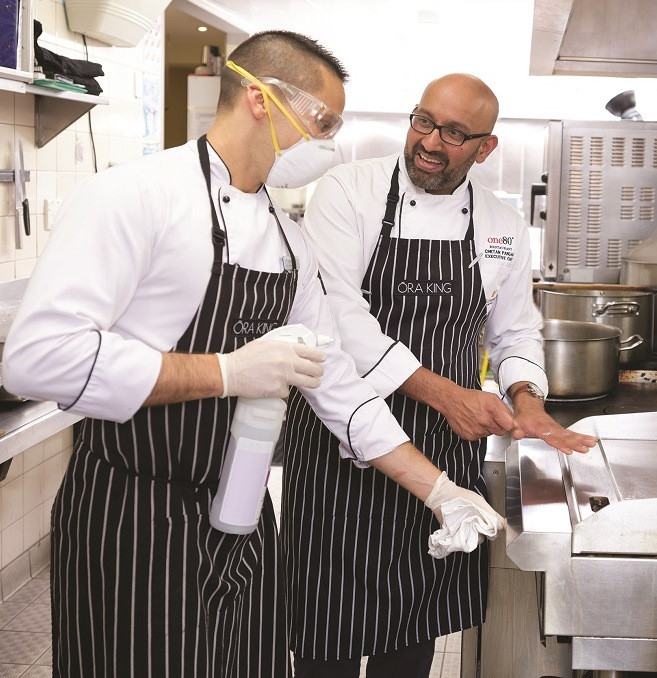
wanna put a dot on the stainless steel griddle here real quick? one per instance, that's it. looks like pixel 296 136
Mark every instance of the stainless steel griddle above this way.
pixel 589 524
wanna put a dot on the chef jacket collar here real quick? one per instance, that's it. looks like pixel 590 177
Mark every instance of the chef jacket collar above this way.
pixel 220 171
pixel 459 196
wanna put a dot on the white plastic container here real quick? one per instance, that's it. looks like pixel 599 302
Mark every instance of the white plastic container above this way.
pixel 254 432
pixel 122 23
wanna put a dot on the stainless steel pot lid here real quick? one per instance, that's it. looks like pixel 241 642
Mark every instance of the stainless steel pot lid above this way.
pixel 644 253
pixel 577 330
pixel 593 290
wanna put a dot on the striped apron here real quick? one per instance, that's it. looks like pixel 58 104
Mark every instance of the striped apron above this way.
pixel 360 580
pixel 142 585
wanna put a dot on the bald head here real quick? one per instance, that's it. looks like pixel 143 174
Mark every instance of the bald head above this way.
pixel 451 130
pixel 469 100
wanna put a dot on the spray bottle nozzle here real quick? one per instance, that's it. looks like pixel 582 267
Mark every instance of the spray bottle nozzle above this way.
pixel 298 334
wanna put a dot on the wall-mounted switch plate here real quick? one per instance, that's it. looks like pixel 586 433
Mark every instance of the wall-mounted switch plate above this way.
pixel 50 207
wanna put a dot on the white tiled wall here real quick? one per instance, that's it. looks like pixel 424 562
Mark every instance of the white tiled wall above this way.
pixel 119 134
pixel 26 497
pixel 118 130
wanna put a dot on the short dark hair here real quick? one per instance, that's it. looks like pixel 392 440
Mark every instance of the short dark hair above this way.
pixel 285 55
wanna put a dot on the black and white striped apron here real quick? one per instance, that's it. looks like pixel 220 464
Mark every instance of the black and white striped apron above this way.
pixel 360 580
pixel 142 585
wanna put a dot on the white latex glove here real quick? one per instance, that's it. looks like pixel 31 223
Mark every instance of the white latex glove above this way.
pixel 445 490
pixel 267 369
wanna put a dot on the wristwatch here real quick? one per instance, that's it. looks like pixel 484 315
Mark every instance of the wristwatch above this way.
pixel 532 389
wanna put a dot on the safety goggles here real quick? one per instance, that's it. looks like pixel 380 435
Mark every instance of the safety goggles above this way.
pixel 321 121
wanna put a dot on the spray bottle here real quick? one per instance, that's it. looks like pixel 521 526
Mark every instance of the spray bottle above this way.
pixel 254 432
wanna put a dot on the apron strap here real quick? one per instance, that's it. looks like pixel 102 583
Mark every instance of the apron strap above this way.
pixel 469 234
pixel 218 236
pixel 391 203
pixel 272 210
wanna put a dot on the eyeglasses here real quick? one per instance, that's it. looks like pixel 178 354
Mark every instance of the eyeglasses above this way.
pixel 322 122
pixel 450 135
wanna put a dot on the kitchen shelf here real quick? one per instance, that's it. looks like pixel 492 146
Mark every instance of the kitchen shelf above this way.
pixel 13 80
pixel 55 110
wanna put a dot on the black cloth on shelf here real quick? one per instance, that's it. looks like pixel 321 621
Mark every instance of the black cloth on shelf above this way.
pixel 80 71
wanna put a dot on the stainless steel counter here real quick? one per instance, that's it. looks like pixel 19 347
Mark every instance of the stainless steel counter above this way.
pixel 588 523
pixel 512 642
pixel 627 398
pixel 26 424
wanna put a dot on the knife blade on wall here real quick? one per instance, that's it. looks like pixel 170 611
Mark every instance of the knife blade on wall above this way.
pixel 22 203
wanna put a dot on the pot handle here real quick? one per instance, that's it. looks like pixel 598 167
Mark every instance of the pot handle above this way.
pixel 636 340
pixel 616 308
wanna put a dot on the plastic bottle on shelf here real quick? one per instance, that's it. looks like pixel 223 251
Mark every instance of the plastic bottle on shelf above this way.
pixel 254 432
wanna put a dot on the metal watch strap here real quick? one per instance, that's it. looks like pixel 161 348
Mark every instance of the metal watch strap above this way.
pixel 532 389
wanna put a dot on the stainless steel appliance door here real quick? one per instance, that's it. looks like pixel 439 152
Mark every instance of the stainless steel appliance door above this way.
pixel 601 197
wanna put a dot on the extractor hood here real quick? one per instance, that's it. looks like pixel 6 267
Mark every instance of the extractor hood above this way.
pixel 594 37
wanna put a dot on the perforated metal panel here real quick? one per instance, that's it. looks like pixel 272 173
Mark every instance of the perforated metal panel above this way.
pixel 601 197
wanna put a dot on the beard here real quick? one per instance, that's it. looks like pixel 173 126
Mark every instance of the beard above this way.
pixel 446 179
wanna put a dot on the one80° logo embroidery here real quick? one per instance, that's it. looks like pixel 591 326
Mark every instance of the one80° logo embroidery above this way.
pixel 499 247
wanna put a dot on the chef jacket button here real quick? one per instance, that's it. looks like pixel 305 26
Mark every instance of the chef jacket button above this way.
pixel 464 210
pixel 413 203
pixel 226 198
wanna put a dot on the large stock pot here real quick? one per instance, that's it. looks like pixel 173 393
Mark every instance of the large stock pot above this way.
pixel 582 358
pixel 628 307
pixel 639 267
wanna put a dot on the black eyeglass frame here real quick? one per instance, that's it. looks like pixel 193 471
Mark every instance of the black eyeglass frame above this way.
pixel 466 137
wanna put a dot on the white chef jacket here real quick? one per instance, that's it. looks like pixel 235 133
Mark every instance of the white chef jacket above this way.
pixel 343 223
pixel 123 274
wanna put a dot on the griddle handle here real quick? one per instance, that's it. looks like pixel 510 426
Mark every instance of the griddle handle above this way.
pixel 537 189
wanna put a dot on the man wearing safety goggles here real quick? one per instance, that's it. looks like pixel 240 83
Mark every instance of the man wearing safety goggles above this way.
pixel 144 315
pixel 314 153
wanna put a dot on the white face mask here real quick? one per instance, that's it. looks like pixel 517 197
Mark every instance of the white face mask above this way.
pixel 302 163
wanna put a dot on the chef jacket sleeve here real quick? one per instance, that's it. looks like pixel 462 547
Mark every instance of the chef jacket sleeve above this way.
pixel 344 402
pixel 513 329
pixel 62 345
pixel 343 250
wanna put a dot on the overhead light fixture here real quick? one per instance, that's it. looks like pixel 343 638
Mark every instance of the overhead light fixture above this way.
pixel 202 29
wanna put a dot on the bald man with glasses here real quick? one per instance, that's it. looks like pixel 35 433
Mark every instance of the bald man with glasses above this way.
pixel 417 257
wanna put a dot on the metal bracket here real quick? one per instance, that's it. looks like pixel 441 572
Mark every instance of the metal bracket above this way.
pixel 9 176
pixel 54 114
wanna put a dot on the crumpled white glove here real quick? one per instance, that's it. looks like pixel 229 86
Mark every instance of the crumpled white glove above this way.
pixel 445 490
pixel 464 527
pixel 267 369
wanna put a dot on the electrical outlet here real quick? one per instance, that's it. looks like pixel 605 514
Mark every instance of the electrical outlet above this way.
pixel 50 207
